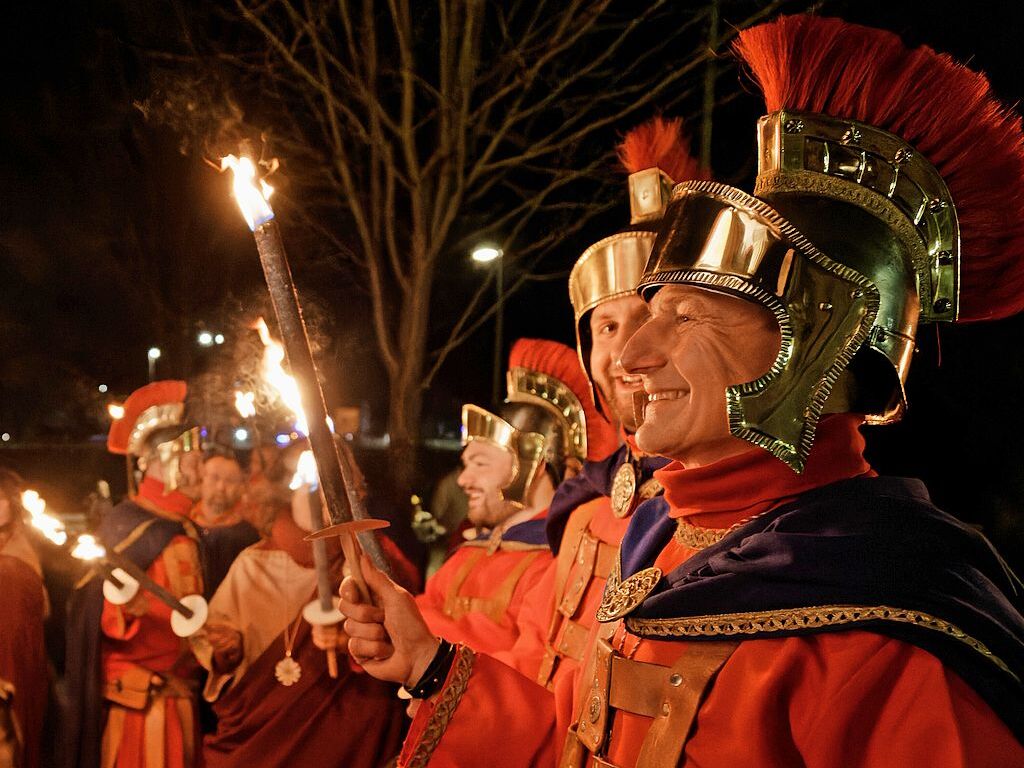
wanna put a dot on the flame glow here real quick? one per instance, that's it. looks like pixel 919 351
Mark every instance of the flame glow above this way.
pixel 48 525
pixel 87 548
pixel 252 200
pixel 305 472
pixel 245 404
pixel 115 410
pixel 285 386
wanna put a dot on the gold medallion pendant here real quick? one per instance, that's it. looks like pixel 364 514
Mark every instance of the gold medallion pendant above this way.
pixel 623 490
pixel 620 598
pixel 287 670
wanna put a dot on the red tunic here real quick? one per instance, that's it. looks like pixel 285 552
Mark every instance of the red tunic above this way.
pixel 141 641
pixel 851 698
pixel 477 595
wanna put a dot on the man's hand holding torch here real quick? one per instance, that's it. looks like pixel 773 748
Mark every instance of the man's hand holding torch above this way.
pixel 388 637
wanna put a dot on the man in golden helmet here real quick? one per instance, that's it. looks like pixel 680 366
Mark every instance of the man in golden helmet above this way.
pixel 512 462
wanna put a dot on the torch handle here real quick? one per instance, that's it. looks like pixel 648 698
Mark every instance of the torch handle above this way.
pixel 324 591
pixel 335 476
pixel 128 566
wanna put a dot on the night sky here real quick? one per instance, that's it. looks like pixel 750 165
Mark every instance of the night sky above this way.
pixel 112 240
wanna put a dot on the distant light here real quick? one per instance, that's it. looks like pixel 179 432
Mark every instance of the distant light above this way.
pixel 218 339
pixel 154 353
pixel 485 253
pixel 205 339
pixel 116 411
pixel 241 434
pixel 283 439
pixel 102 388
pixel 6 437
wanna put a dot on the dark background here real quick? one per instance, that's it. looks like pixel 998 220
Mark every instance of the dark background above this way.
pixel 112 240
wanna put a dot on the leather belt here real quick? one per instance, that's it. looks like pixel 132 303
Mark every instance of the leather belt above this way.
pixel 572 640
pixel 638 687
pixel 607 556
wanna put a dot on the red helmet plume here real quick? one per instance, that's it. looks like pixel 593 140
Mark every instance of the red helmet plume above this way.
pixel 946 111
pixel 660 143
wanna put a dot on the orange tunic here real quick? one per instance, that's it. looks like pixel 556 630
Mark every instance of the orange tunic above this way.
pixel 477 595
pixel 138 645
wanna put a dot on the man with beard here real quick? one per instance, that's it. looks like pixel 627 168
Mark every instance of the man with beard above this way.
pixel 784 605
pixel 512 463
pixel 131 679
pixel 218 517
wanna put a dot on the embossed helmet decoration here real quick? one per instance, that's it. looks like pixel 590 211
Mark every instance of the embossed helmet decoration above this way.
pixel 890 192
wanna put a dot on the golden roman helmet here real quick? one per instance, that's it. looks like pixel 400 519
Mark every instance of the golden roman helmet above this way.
pixel 653 154
pixel 150 412
pixel 527 448
pixel 544 423
pixel 855 235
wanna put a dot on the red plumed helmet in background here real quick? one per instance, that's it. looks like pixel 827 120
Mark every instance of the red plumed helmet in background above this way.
pixel 555 360
pixel 656 155
pixel 157 405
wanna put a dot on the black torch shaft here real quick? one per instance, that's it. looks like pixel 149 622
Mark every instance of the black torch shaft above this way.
pixel 127 565
pixel 343 504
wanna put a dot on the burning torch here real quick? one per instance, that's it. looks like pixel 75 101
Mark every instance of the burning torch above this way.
pixel 336 481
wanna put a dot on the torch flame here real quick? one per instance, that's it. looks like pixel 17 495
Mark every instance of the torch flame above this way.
pixel 48 525
pixel 305 472
pixel 87 548
pixel 245 404
pixel 251 199
pixel 116 411
pixel 283 384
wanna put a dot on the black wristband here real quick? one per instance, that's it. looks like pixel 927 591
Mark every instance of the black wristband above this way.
pixel 433 678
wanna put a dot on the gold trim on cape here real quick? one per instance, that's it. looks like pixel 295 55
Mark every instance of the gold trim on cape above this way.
pixel 445 708
pixel 791 619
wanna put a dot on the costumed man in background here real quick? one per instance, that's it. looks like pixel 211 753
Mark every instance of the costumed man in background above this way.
pixel 512 464
pixel 24 677
pixel 271 691
pixel 784 605
pixel 131 680
pixel 218 517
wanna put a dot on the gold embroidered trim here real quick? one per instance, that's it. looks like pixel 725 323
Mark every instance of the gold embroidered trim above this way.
pixel 444 709
pixel 695 537
pixel 803 618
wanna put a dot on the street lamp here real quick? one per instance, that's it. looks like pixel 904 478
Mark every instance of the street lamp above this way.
pixel 153 355
pixel 485 254
pixel 205 339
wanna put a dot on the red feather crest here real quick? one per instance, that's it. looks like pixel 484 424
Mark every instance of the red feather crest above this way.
pixel 661 143
pixel 944 110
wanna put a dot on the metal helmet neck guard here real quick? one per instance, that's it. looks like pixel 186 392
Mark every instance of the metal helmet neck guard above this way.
pixel 722 239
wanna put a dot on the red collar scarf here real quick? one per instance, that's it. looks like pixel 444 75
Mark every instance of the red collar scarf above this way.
pixel 173 504
pixel 721 494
